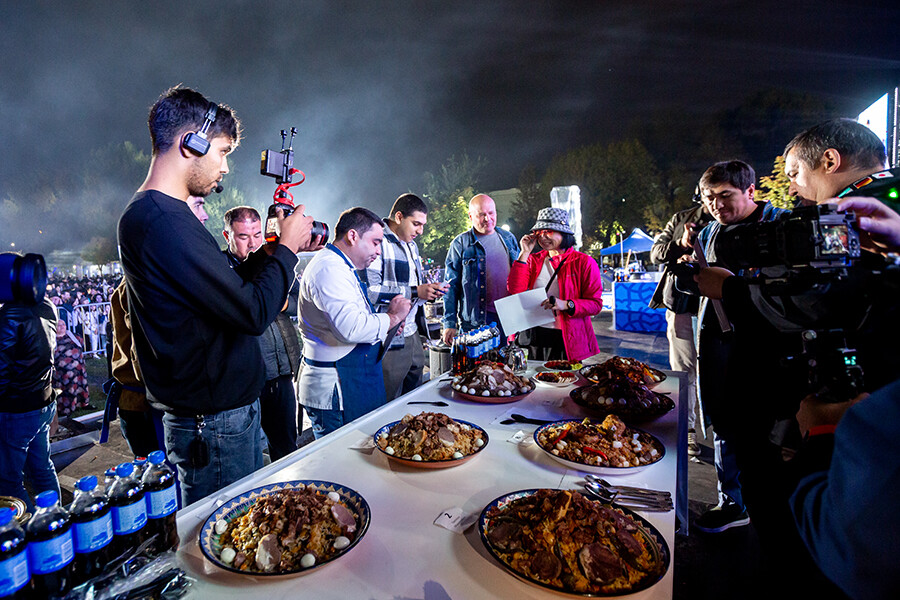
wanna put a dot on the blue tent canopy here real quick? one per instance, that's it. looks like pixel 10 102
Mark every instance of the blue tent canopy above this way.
pixel 638 241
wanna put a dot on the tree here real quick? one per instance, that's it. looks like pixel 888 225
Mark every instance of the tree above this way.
pixel 448 193
pixel 100 251
pixel 618 182
pixel 774 188
pixel 529 199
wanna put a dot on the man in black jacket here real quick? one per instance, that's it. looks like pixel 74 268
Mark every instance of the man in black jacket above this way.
pixel 27 403
pixel 195 320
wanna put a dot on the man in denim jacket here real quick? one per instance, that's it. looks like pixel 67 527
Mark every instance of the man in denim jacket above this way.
pixel 477 266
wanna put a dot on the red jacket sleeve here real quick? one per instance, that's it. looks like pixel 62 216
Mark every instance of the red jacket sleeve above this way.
pixel 521 275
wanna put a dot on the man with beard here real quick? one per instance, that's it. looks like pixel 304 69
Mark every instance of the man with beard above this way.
pixel 195 320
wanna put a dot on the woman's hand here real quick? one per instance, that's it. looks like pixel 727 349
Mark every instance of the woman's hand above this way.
pixel 526 246
pixel 555 304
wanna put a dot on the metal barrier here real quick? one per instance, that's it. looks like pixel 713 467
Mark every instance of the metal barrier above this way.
pixel 90 324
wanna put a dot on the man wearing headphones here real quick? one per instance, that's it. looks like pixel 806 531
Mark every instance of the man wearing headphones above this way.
pixel 195 320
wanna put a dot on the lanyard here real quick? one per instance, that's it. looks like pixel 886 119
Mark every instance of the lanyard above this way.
pixel 362 286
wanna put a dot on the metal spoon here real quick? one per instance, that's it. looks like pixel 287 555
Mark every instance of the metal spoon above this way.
pixel 432 403
pixel 625 488
pixel 644 504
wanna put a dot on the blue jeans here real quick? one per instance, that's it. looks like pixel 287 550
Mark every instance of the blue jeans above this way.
pixel 235 451
pixel 25 453
pixel 728 484
pixel 323 420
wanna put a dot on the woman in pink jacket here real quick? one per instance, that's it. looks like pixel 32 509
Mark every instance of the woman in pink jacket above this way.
pixel 573 285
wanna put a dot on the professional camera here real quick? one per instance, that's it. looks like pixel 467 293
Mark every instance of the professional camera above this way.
pixel 833 372
pixel 22 278
pixel 810 236
pixel 280 165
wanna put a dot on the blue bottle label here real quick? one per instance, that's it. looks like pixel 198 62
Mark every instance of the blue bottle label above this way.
pixel 51 555
pixel 130 518
pixel 93 535
pixel 14 574
pixel 161 503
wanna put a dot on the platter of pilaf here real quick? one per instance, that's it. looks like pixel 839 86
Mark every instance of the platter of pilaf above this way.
pixel 563 541
pixel 285 528
pixel 606 448
pixel 430 440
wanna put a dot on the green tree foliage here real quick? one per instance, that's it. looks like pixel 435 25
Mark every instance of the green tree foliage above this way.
pixel 529 200
pixel 447 193
pixel 618 182
pixel 100 251
pixel 774 188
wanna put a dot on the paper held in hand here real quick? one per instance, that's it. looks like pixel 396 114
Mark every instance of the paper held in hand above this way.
pixel 523 311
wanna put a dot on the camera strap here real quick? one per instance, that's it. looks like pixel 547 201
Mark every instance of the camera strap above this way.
pixel 555 272
pixel 717 304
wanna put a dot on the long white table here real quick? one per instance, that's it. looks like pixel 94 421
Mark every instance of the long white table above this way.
pixel 404 555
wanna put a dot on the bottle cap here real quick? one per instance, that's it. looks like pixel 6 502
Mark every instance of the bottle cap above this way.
pixel 157 457
pixel 46 499
pixel 87 483
pixel 110 472
pixel 125 470
pixel 6 515
pixel 139 460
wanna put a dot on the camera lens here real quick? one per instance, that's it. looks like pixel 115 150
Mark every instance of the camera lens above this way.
pixel 320 229
pixel 22 278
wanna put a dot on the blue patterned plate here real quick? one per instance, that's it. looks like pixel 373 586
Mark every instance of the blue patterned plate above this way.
pixel 654 540
pixel 431 464
pixel 598 469
pixel 240 505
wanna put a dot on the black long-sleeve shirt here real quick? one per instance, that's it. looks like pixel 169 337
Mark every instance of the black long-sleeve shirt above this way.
pixel 195 320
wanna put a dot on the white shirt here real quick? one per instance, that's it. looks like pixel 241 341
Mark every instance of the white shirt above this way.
pixel 334 318
pixel 334 314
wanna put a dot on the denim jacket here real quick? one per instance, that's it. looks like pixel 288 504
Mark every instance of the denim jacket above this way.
pixel 465 301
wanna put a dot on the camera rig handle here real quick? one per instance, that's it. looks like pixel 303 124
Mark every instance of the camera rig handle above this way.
pixel 724 323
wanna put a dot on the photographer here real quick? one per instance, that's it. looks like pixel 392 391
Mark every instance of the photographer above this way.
pixel 845 501
pixel 675 245
pixel 195 320
pixel 27 402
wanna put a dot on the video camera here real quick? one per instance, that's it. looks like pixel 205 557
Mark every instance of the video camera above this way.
pixel 833 373
pixel 810 236
pixel 280 165
pixel 22 278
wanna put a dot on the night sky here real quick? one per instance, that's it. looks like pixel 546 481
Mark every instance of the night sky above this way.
pixel 382 92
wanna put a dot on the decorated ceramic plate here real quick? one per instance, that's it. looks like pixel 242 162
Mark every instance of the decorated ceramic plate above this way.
pixel 213 544
pixel 491 399
pixel 555 378
pixel 481 436
pixel 623 556
pixel 632 402
pixel 631 368
pixel 592 446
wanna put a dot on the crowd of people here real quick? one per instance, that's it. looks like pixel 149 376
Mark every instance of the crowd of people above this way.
pixel 206 360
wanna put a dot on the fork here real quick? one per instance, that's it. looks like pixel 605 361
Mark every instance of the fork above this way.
pixel 432 403
pixel 646 504
pixel 625 489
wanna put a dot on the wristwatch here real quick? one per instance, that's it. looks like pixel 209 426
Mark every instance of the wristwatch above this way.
pixel 571 306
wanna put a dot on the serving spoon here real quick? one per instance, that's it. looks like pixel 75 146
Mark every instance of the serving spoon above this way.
pixel 431 402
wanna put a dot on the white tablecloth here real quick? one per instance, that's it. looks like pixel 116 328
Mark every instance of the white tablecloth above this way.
pixel 404 555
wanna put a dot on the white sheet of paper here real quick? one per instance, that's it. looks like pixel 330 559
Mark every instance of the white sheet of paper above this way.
pixel 523 311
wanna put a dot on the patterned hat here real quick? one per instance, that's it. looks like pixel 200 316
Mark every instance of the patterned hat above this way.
pixel 556 219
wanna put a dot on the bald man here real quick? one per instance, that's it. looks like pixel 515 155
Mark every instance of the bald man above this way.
pixel 477 265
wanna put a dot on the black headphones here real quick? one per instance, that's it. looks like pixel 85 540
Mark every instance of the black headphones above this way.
pixel 196 142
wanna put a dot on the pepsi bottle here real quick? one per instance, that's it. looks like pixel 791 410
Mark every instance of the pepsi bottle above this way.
pixel 51 550
pixel 93 529
pixel 158 483
pixel 129 511
pixel 140 463
pixel 108 478
pixel 14 574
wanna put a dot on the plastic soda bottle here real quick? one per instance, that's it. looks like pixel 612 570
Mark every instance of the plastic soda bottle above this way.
pixel 162 502
pixel 140 463
pixel 129 511
pixel 14 574
pixel 50 547
pixel 93 529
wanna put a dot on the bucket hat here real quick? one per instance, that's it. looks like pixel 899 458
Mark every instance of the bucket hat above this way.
pixel 555 219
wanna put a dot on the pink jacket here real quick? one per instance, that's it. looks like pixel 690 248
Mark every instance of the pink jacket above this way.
pixel 579 280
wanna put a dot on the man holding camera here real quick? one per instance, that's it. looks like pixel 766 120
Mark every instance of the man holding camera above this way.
pixel 195 320
pixel 728 360
pixel 279 344
pixel 27 401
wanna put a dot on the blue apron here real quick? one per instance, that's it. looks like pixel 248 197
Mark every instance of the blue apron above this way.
pixel 359 372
